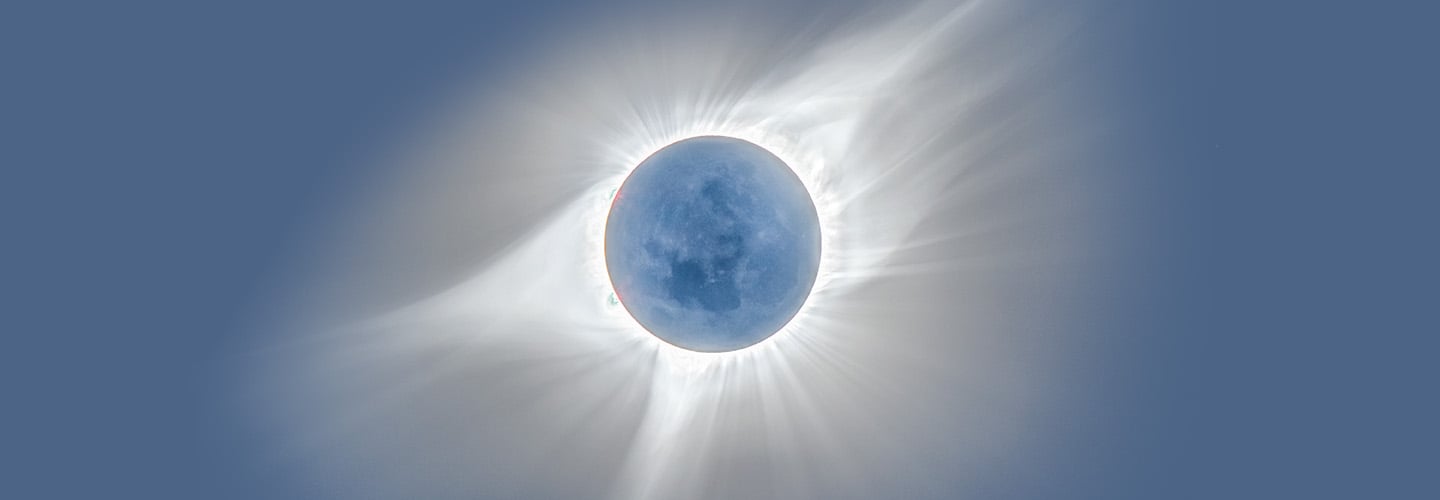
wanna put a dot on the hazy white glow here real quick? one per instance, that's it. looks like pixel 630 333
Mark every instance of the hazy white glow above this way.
pixel 938 177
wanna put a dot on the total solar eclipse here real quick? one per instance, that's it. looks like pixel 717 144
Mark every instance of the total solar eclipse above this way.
pixel 712 244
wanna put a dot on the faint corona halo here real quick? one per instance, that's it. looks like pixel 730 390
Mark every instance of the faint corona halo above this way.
pixel 712 244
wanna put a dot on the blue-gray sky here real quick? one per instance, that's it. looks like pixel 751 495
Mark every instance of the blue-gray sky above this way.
pixel 1269 336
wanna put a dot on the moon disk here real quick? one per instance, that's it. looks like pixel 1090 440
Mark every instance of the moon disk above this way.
pixel 712 244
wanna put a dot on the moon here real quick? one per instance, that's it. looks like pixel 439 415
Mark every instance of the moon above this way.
pixel 712 244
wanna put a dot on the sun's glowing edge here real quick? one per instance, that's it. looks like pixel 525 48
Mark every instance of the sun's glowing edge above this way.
pixel 834 123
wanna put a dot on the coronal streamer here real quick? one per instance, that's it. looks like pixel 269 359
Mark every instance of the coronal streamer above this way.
pixel 461 338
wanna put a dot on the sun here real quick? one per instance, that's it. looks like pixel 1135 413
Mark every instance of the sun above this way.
pixel 806 163
pixel 712 244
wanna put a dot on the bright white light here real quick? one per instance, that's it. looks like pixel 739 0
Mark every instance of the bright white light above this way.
pixel 935 151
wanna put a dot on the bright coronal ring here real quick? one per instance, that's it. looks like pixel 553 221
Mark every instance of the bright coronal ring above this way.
pixel 714 261
pixel 712 244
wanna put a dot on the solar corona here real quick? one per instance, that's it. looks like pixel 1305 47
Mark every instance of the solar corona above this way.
pixel 850 254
